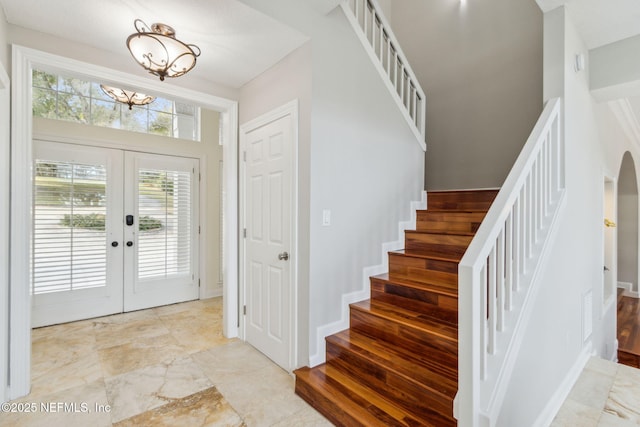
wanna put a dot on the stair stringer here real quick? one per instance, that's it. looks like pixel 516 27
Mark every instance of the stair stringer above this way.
pixel 364 293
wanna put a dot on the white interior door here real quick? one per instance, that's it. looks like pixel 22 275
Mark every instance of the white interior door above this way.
pixel 76 249
pixel 113 231
pixel 268 187
pixel 161 230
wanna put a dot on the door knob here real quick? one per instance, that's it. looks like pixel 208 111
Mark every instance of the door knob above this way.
pixel 129 243
pixel 283 256
pixel 114 244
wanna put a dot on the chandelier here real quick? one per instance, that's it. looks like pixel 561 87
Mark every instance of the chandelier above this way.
pixel 159 52
pixel 127 97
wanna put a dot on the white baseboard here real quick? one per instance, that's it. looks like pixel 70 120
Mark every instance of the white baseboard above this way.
pixel 555 402
pixel 628 287
pixel 364 293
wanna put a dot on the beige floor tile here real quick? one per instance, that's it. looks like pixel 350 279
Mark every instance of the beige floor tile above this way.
pixel 574 414
pixel 308 417
pixel 609 420
pixel 67 374
pixel 624 398
pixel 138 391
pixel 86 405
pixel 223 363
pixel 263 397
pixel 128 357
pixel 205 408
pixel 113 334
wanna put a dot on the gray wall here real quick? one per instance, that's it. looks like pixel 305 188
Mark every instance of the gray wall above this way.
pixel 288 80
pixel 480 64
pixel 628 222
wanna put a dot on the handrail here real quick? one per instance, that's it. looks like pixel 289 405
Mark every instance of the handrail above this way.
pixel 496 274
pixel 383 48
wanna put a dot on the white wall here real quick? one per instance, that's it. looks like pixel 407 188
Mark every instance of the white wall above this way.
pixel 554 342
pixel 480 65
pixel 609 82
pixel 288 80
pixel 365 164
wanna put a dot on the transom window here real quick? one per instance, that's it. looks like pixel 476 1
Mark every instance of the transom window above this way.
pixel 76 100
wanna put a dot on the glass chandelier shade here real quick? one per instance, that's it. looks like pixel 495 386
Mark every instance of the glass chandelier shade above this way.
pixel 157 50
pixel 127 97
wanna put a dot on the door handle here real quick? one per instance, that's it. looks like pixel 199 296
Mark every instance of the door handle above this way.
pixel 283 256
pixel 114 244
pixel 129 243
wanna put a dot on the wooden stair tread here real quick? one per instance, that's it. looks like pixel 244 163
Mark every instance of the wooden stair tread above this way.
pixel 432 287
pixel 409 318
pixel 442 233
pixel 345 402
pixel 419 368
pixel 414 253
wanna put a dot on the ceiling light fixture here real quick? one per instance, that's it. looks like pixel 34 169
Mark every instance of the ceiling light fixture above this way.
pixel 159 52
pixel 127 97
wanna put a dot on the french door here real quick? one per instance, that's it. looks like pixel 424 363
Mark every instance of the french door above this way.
pixel 113 231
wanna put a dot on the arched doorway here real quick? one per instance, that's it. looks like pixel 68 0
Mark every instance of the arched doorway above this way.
pixel 628 224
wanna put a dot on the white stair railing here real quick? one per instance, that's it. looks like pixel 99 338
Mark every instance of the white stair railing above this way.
pixel 375 33
pixel 497 273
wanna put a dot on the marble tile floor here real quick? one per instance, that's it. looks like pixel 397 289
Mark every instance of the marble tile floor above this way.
pixel 166 366
pixel 605 395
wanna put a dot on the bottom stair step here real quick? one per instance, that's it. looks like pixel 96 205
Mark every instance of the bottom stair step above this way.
pixel 347 403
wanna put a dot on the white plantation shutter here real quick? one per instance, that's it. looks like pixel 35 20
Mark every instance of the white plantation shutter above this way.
pixel 164 223
pixel 69 238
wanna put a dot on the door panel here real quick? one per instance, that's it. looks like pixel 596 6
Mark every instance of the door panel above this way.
pixel 268 173
pixel 76 272
pixel 162 198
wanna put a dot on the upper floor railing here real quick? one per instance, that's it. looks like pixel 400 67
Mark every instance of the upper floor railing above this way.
pixel 375 33
pixel 496 276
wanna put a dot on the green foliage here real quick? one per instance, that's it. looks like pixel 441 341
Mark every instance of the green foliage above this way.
pixel 93 221
pixel 96 221
pixel 148 223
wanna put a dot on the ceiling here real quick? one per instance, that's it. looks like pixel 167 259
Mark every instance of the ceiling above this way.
pixel 238 43
pixel 601 22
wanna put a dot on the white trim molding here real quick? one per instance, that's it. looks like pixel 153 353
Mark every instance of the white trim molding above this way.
pixel 5 144
pixel 24 60
pixel 364 292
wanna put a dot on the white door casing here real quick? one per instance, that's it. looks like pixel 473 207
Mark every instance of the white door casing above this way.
pixel 24 60
pixel 268 147
pixel 5 117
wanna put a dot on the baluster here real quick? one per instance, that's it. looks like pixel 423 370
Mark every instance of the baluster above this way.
pixel 500 272
pixel 365 14
pixel 492 301
pixel 483 322
pixel 381 42
pixel 540 205
pixel 517 243
pixel 536 187
pixel 388 57
pixel 401 83
pixel 530 214
pixel 545 174
pixel 508 289
pixel 395 69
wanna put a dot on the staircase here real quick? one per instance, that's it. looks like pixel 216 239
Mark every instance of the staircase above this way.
pixel 397 364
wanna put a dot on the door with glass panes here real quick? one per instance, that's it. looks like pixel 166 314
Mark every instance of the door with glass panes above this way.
pixel 113 231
